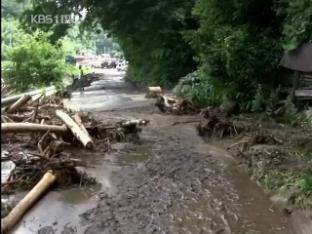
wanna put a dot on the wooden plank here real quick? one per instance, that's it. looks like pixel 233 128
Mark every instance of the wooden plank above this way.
pixel 303 94
pixel 75 129
pixel 28 201
pixel 31 127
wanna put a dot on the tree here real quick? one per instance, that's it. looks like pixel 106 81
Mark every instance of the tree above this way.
pixel 36 62
pixel 148 32
pixel 234 44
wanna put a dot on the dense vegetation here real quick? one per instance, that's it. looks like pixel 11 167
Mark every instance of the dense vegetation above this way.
pixel 39 57
pixel 234 45
pixel 209 50
pixel 38 61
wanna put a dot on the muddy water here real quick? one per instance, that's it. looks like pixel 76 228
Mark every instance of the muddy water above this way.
pixel 170 182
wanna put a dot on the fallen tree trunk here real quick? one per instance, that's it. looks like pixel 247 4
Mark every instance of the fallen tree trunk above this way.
pixel 153 92
pixel 27 202
pixel 83 128
pixel 79 122
pixel 135 122
pixel 32 127
pixel 19 103
pixel 75 129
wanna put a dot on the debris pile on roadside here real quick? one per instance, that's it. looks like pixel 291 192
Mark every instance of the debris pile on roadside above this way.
pixel 216 123
pixel 279 163
pixel 37 136
pixel 45 129
pixel 85 81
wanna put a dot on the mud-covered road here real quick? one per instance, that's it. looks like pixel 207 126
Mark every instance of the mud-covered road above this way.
pixel 168 181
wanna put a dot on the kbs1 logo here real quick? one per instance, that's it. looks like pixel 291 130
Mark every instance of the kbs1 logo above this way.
pixel 53 19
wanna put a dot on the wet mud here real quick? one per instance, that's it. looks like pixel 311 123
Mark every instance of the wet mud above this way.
pixel 168 181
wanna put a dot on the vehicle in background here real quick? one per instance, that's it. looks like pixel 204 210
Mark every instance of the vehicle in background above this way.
pixel 122 66
pixel 109 64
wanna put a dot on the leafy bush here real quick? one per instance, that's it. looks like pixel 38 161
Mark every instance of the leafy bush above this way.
pixel 148 32
pixel 305 118
pixel 297 23
pixel 290 114
pixel 11 35
pixel 237 45
pixel 198 90
pixel 35 63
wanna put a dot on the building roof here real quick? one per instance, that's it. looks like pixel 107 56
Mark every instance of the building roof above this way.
pixel 299 59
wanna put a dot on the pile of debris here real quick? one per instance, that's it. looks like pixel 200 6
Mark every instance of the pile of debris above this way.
pixel 86 81
pixel 35 134
pixel 216 123
pixel 46 126
pixel 175 106
pixel 6 91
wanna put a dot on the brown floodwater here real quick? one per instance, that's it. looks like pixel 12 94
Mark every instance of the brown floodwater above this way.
pixel 236 205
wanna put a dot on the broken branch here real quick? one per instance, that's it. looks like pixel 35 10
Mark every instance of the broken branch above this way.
pixel 75 129
pixel 28 201
pixel 19 103
pixel 32 127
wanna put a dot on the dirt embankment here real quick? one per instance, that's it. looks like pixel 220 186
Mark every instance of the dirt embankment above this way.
pixel 181 187
pixel 279 157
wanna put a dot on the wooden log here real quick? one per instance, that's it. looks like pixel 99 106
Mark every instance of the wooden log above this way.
pixel 156 89
pixel 19 103
pixel 135 122
pixel 303 94
pixel 27 202
pixel 83 128
pixel 75 129
pixel 6 119
pixel 17 117
pixel 153 92
pixel 32 127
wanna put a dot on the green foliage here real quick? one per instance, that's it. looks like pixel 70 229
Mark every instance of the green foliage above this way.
pixel 304 118
pixel 267 100
pixel 290 114
pixel 260 102
pixel 240 42
pixel 148 32
pixel 11 35
pixel 198 90
pixel 306 182
pixel 237 45
pixel 14 8
pixel 307 119
pixel 297 25
pixel 36 62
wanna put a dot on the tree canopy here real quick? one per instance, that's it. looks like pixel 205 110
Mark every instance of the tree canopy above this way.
pixel 234 45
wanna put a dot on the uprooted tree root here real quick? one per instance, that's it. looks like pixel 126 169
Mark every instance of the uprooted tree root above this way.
pixel 217 126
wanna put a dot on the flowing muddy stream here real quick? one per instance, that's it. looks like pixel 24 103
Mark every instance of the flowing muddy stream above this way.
pixel 170 181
